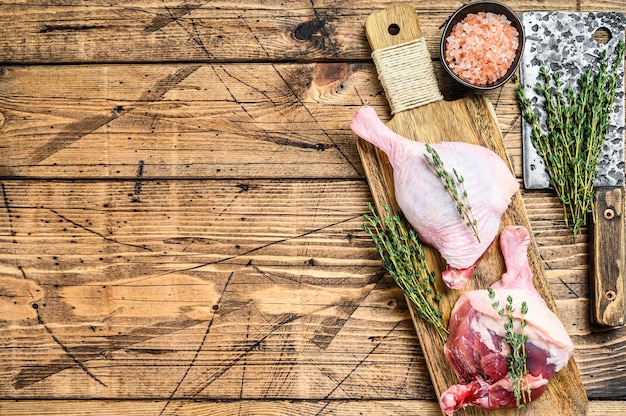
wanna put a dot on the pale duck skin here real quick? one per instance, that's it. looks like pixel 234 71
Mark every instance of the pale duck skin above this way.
pixel 428 206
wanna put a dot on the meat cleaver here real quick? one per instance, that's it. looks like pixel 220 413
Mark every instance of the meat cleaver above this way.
pixel 569 43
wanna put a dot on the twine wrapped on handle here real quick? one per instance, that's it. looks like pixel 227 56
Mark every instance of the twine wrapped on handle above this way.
pixel 407 75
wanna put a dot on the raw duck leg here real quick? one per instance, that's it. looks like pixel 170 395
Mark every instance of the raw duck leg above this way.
pixel 428 206
pixel 476 348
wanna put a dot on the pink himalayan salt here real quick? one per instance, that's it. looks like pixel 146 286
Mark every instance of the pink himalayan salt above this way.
pixel 481 47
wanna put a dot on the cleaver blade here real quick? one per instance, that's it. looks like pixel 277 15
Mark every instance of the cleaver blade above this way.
pixel 564 42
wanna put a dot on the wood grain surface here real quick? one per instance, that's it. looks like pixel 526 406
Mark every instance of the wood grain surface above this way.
pixel 180 218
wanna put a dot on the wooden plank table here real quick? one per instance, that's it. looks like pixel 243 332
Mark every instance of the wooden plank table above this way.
pixel 180 218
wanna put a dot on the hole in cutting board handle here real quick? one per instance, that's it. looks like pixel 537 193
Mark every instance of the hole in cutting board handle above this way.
pixel 602 35
pixel 393 29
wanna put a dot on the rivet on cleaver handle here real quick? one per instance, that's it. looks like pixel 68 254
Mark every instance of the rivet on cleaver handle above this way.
pixel 608 303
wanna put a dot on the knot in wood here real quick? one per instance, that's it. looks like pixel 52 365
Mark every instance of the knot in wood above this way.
pixel 610 295
pixel 609 214
pixel 309 30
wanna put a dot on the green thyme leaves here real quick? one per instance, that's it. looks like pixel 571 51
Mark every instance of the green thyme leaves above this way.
pixel 456 189
pixel 577 121
pixel 516 359
pixel 403 257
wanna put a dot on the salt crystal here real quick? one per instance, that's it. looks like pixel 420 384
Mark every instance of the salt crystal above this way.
pixel 485 42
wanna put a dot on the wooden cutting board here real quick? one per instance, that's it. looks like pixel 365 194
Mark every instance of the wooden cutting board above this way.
pixel 473 120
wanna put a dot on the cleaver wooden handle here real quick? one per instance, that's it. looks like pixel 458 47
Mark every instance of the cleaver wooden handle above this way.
pixel 608 303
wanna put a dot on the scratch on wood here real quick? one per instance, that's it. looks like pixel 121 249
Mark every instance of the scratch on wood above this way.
pixel 356 91
pixel 334 323
pixel 12 232
pixel 161 87
pixel 279 377
pixel 65 349
pixel 104 237
pixel 572 291
pixel 255 249
pixel 112 314
pixel 23 273
pixel 34 373
pixel 511 125
pixel 268 276
pixel 173 14
pixel 243 108
pixel 197 38
pixel 239 80
pixel 77 130
pixel 268 137
pixel 261 272
pixel 331 326
pixel 7 207
pixel 256 38
pixel 72 133
pixel 282 321
pixel 200 346
pixel 497 100
pixel 340 383
pixel 244 367
pixel 243 187
pixel 330 139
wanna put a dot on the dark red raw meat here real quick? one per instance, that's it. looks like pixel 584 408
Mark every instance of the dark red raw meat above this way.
pixel 476 347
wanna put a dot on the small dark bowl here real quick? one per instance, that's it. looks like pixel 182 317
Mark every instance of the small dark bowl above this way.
pixel 484 6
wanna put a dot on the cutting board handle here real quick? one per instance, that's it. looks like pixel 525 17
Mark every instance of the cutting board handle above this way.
pixel 402 59
pixel 392 26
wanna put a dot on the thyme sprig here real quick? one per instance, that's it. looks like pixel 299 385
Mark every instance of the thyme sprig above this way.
pixel 516 359
pixel 577 121
pixel 457 192
pixel 403 257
